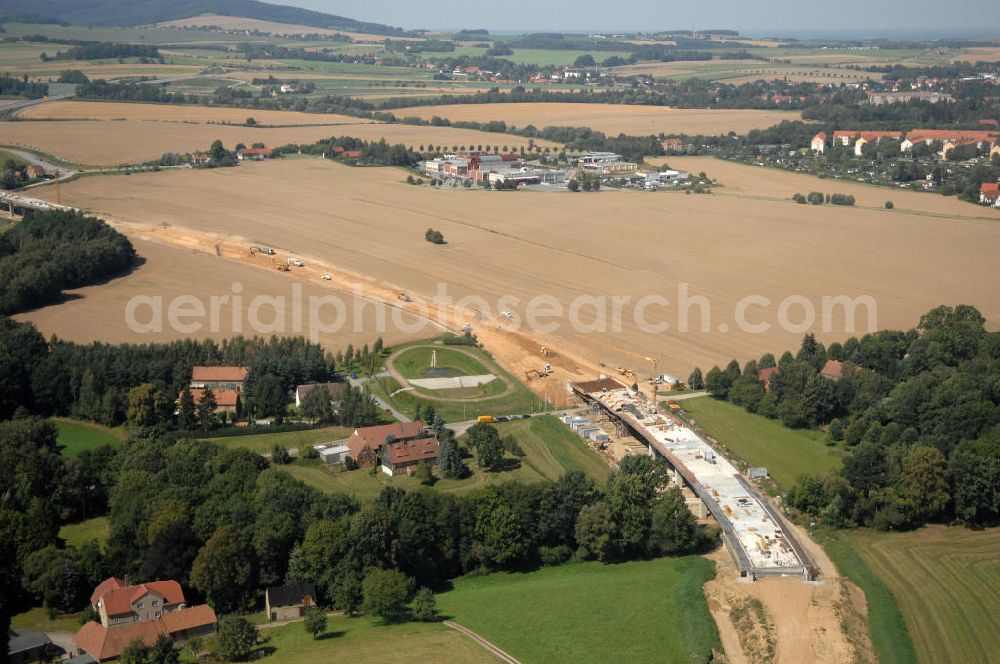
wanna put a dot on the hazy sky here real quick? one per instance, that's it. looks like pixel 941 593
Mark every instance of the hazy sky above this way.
pixel 760 17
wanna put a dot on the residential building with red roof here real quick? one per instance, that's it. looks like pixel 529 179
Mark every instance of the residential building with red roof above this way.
pixel 366 443
pixel 403 457
pixel 225 400
pixel 818 144
pixel 989 194
pixel 928 136
pixel 119 604
pixel 256 154
pixel 219 378
pixel 835 370
pixel 765 375
pixel 106 643
pixel 334 391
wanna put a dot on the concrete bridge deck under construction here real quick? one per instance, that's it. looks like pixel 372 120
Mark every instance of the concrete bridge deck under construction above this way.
pixel 755 534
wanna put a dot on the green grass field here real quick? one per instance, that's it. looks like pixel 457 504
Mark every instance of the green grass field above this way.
pixel 647 611
pixel 787 453
pixel 76 436
pixel 458 405
pixel 886 625
pixel 551 450
pixel 265 442
pixel 360 640
pixel 946 583
pixel 416 363
pixel 78 534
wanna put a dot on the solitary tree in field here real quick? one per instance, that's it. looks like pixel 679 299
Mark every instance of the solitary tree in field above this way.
pixel 315 621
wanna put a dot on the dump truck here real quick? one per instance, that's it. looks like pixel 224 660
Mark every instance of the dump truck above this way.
pixel 282 267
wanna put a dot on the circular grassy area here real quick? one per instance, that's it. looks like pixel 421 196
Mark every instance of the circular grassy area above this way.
pixel 416 363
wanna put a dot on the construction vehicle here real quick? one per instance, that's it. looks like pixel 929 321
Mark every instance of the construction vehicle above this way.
pixel 282 267
pixel 539 373
pixel 404 297
pixel 297 262
pixel 544 351
pixel 467 327
pixel 327 276
pixel 267 251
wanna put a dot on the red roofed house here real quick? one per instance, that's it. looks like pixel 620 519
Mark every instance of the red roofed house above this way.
pixel 225 400
pixel 954 135
pixel 107 643
pixel 219 378
pixel 861 138
pixel 119 604
pixel 143 612
pixel 256 154
pixel 402 457
pixel 366 443
pixel 835 370
pixel 765 375
pixel 818 144
pixel 353 154
pixel 332 389
pixel 989 194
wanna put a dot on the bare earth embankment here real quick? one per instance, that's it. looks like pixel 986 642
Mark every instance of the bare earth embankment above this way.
pixel 612 119
pixel 628 244
pixel 168 272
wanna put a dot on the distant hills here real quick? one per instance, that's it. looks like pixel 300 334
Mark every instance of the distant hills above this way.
pixel 143 12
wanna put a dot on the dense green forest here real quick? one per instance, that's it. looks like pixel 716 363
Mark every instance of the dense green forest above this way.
pixel 50 252
pixel 919 410
pixel 92 381
pixel 226 525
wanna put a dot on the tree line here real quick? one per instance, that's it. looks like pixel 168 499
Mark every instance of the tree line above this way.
pixel 918 409
pixel 49 252
pixel 20 86
pixel 106 50
pixel 226 525
pixel 92 381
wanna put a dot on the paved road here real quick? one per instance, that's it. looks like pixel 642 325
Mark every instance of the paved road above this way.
pixel 361 380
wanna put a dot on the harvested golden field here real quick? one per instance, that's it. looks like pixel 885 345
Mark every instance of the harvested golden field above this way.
pixel 612 119
pixel 798 75
pixel 109 143
pixel 724 247
pixel 98 312
pixel 744 181
pixel 742 71
pixel 100 110
pixel 977 53
pixel 272 27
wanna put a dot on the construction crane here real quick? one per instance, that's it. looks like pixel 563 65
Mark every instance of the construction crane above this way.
pixel 655 363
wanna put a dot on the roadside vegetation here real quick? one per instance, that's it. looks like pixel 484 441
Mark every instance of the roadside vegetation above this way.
pixel 913 408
